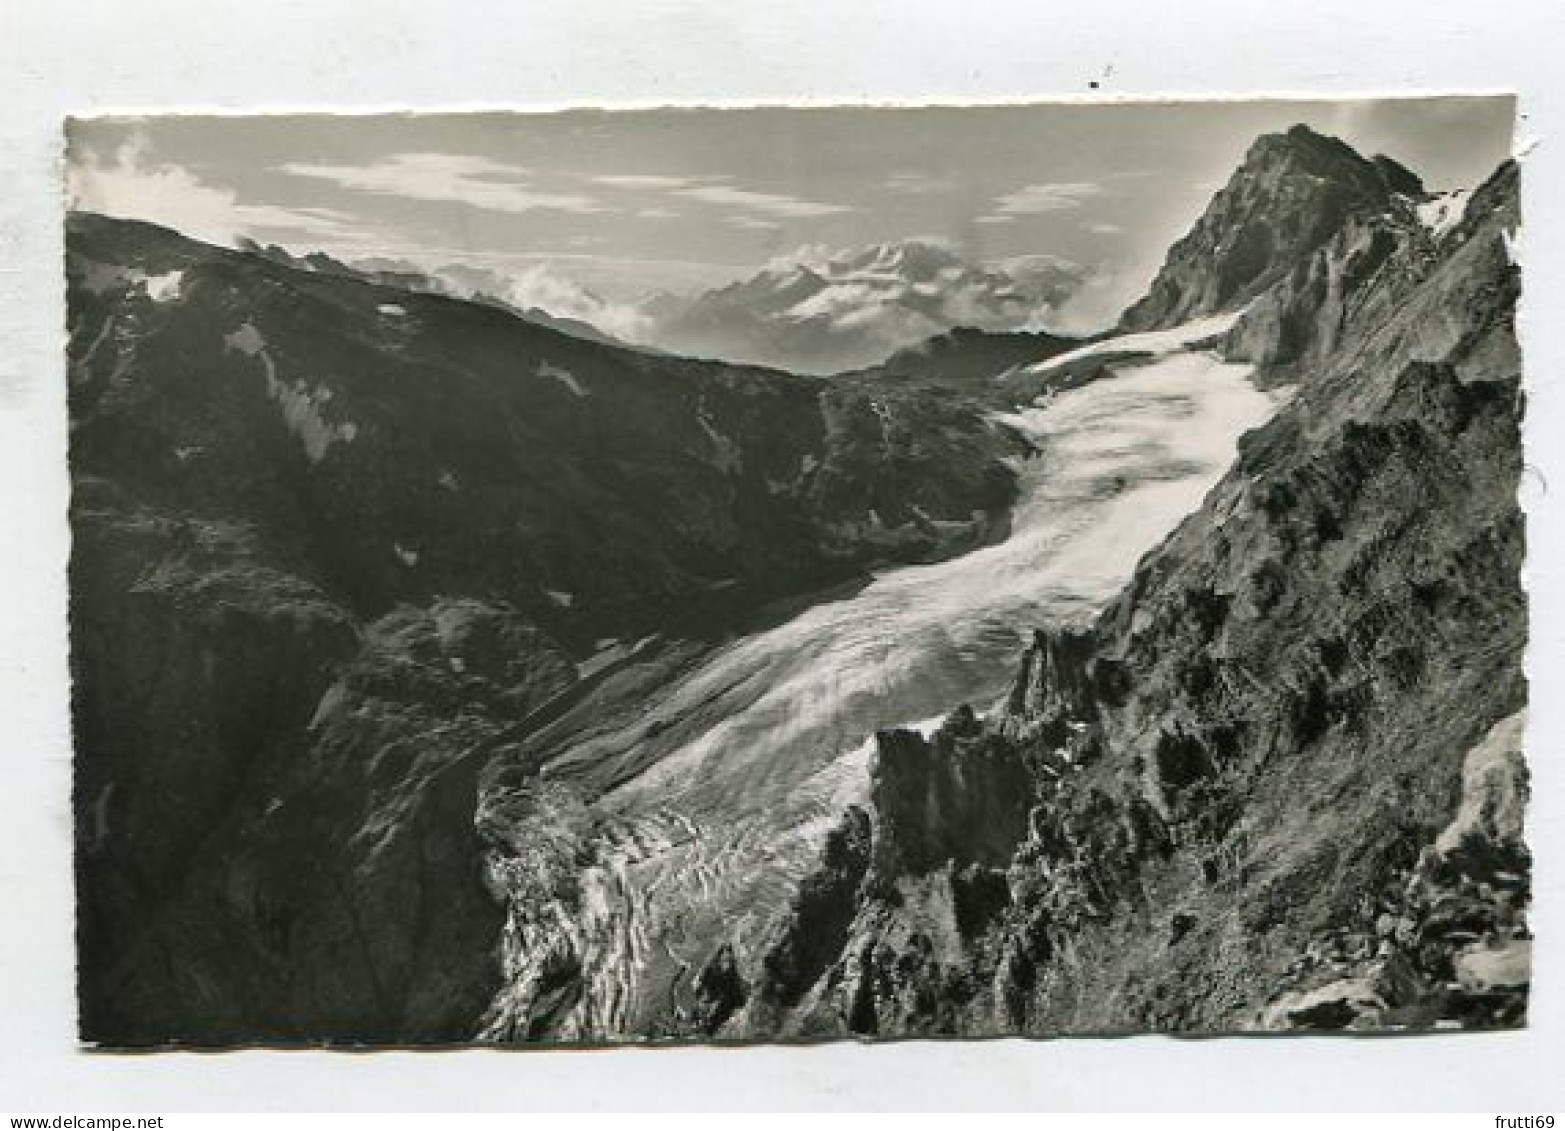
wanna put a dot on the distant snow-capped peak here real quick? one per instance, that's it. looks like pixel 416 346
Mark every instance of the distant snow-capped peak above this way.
pixel 822 310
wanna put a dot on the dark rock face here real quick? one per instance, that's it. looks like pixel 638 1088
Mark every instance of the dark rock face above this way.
pixel 927 886
pixel 953 798
pixel 965 356
pixel 1445 941
pixel 822 915
pixel 1293 192
pixel 1062 680
pixel 198 662
pixel 334 542
pixel 336 893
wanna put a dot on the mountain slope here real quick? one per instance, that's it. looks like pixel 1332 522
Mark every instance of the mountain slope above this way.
pixel 475 284
pixel 332 537
pixel 966 357
pixel 394 434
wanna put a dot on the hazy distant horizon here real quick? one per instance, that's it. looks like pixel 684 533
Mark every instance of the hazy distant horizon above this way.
pixel 628 203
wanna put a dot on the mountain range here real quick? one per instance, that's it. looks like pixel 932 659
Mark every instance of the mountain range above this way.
pixel 441 675
pixel 572 309
pixel 823 311
pixel 819 310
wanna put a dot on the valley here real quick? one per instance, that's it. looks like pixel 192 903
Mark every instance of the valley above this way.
pixel 444 674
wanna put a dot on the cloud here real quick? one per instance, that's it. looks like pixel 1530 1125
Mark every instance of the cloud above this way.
pixel 465 178
pixel 1053 197
pixel 768 204
pixel 1104 229
pixel 130 183
pixel 1104 296
pixel 992 219
pixel 917 183
pixel 758 211
pixel 644 181
pixel 542 287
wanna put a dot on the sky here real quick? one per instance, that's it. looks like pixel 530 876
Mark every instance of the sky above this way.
pixel 632 202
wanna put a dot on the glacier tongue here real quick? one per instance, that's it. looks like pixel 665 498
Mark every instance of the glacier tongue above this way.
pixel 752 755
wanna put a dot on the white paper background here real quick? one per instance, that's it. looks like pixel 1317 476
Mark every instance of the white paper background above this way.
pixel 59 57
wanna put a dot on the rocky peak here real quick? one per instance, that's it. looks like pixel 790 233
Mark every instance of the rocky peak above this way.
pixel 1062 679
pixel 1291 194
pixel 1330 158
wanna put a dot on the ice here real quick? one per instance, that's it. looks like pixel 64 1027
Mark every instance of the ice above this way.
pixel 563 376
pixel 1443 212
pixel 299 403
pixel 728 458
pixel 758 749
pixel 1158 343
pixel 164 287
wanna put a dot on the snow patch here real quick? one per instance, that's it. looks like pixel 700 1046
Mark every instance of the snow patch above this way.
pixel 247 340
pixel 883 414
pixel 300 404
pixel 563 376
pixel 1443 212
pixel 100 277
pixel 164 287
pixel 301 409
pixel 609 650
pixel 728 458
pixel 406 556
pixel 392 310
pixel 448 480
pixel 1493 790
pixel 97 343
pixel 561 598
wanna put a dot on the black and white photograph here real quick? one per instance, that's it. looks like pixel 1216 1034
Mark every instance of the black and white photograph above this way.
pixel 788 574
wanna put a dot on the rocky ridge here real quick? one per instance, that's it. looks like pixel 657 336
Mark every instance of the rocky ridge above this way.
pixel 1278 783
pixel 1293 192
